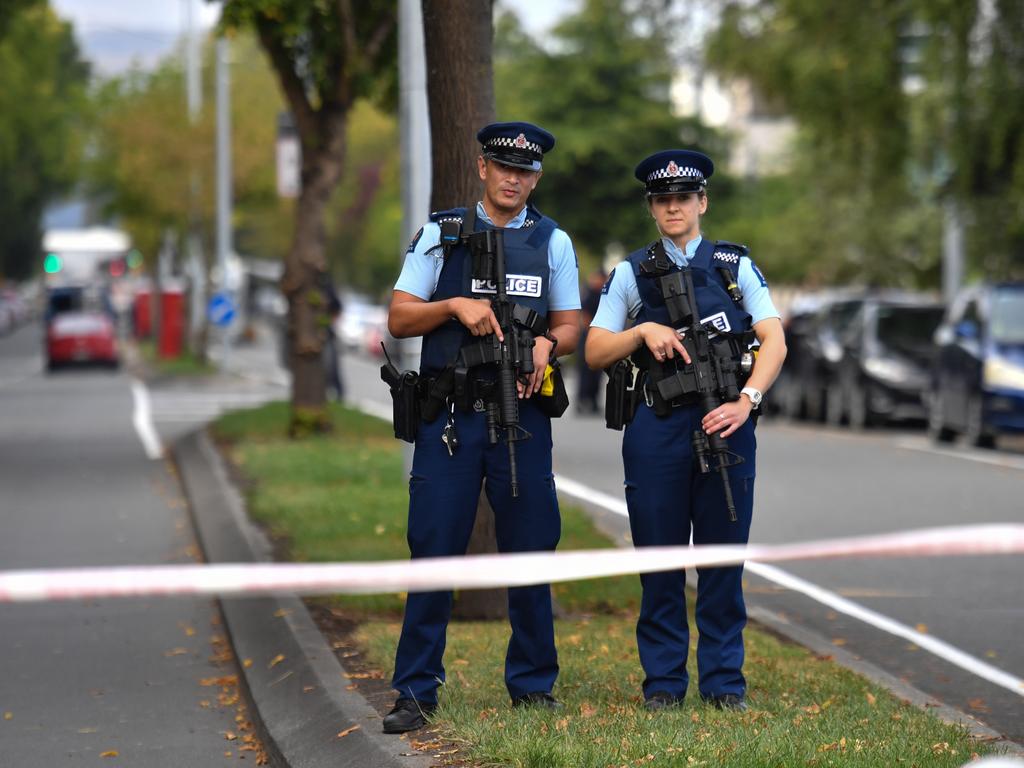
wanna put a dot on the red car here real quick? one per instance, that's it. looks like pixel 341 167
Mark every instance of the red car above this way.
pixel 81 337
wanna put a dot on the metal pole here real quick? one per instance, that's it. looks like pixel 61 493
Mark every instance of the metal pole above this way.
pixel 952 249
pixel 414 122
pixel 194 268
pixel 223 171
pixel 194 92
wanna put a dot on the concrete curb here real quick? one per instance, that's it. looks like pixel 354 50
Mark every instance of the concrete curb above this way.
pixel 301 699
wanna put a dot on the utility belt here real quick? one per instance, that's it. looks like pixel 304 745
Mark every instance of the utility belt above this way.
pixel 417 398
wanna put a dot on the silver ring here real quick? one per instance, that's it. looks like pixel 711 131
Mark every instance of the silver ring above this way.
pixel 721 417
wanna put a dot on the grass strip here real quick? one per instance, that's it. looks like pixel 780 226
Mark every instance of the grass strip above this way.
pixel 341 497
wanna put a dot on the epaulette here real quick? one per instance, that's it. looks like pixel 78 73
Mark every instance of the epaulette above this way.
pixel 729 253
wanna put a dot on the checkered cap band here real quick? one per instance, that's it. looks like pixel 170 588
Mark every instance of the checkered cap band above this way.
pixel 519 143
pixel 673 171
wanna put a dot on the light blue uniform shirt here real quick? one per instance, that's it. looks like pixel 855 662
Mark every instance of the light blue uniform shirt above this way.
pixel 421 270
pixel 622 300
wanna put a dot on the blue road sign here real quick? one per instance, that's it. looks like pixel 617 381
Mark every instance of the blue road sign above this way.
pixel 221 309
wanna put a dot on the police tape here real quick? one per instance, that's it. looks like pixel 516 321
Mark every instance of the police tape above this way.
pixel 479 571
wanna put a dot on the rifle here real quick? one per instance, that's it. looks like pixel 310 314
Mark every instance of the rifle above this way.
pixel 514 355
pixel 712 375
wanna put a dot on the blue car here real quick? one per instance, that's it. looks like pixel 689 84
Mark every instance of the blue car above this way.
pixel 978 379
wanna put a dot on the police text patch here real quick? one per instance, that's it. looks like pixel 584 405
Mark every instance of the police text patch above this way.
pixel 718 321
pixel 515 285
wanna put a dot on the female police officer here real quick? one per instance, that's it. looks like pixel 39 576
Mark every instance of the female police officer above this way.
pixel 667 495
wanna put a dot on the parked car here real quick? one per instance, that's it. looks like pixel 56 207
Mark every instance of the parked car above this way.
pixel 361 322
pixel 813 332
pixel 80 327
pixel 885 361
pixel 81 337
pixel 978 378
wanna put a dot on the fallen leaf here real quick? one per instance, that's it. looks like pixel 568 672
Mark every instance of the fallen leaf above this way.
pixel 586 710
pixel 922 628
pixel 230 736
pixel 8 715
pixel 176 652
pixel 347 731
pixel 281 612
pixel 246 663
pixel 978 705
pixel 871 698
pixel 110 753
pixel 838 641
pixel 275 661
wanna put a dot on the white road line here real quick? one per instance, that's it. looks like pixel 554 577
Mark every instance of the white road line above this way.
pixel 938 647
pixel 143 421
pixel 778 576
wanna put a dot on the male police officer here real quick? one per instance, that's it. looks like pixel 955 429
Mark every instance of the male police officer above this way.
pixel 437 297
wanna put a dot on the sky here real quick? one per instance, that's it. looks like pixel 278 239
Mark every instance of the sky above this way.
pixel 115 32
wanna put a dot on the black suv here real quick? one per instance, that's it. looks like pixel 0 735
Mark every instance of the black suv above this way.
pixel 885 361
pixel 978 377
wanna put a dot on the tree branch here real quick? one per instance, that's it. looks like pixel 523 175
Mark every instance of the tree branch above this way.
pixel 294 90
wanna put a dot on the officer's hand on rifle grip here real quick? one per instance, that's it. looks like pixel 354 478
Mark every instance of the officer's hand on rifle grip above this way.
pixel 728 417
pixel 476 315
pixel 663 342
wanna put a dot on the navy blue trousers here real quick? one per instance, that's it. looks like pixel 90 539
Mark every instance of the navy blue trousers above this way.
pixel 668 498
pixel 443 495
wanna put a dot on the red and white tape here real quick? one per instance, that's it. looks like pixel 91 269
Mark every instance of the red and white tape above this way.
pixel 476 572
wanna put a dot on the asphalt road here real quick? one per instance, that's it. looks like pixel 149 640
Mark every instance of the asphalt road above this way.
pixel 98 683
pixel 816 483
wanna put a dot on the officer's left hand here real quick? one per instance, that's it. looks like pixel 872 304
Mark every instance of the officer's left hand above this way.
pixel 541 356
pixel 727 418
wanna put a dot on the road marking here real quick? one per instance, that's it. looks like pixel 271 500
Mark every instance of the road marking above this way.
pixel 782 578
pixel 999 460
pixel 935 646
pixel 143 421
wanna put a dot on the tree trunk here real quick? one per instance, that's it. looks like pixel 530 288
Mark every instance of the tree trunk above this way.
pixel 460 92
pixel 305 279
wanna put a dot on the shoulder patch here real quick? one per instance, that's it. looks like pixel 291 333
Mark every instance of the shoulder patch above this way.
pixel 760 276
pixel 415 239
pixel 726 246
pixel 608 283
pixel 729 257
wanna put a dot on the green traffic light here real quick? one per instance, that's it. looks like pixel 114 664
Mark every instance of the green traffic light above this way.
pixel 52 264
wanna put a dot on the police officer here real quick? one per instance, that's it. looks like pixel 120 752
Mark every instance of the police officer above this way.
pixel 436 297
pixel 667 496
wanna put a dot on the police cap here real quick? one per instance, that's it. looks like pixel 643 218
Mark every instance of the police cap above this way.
pixel 521 145
pixel 675 171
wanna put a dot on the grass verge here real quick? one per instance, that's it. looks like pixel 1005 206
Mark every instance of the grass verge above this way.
pixel 341 497
pixel 184 365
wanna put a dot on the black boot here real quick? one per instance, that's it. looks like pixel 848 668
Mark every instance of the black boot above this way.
pixel 407 715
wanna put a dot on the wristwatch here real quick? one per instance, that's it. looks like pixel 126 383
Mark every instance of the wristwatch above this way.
pixel 755 396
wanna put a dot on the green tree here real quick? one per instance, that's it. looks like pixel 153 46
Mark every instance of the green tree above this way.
pixel 42 101
pixel 970 134
pixel 326 56
pixel 838 70
pixel 603 90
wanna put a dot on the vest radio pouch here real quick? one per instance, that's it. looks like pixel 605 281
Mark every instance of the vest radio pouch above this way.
pixel 405 398
pixel 621 394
